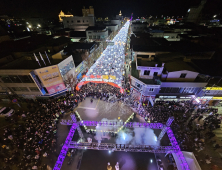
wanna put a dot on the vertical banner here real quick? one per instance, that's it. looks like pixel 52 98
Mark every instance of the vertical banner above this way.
pixel 151 101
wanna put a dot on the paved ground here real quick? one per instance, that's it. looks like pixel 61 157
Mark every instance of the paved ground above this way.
pixel 127 160
pixel 98 110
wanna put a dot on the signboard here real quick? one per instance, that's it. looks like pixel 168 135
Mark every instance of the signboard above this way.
pixel 14 100
pixel 37 82
pixel 214 88
pixel 51 79
pixel 217 98
pixel 110 43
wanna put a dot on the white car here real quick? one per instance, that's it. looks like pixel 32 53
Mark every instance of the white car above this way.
pixel 7 112
pixel 2 109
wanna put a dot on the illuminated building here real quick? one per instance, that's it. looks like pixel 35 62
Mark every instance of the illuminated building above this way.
pixel 88 12
pixel 194 13
pixel 78 23
pixel 63 15
pixel 96 33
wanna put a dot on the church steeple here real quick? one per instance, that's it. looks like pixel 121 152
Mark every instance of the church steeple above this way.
pixel 120 13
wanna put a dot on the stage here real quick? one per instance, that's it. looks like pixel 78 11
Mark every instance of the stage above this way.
pixel 97 160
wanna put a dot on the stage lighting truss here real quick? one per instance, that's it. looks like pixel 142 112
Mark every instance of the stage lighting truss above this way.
pixel 122 147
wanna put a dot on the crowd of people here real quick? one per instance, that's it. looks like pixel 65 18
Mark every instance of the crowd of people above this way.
pixel 25 145
pixel 34 134
pixel 189 127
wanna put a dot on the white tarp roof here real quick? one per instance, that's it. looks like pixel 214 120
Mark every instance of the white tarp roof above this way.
pixel 191 161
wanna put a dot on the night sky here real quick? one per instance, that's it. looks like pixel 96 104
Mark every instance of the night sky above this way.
pixel 103 8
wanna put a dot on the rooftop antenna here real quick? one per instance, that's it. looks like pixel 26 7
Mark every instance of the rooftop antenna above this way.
pixel 37 59
pixel 42 58
pixel 48 58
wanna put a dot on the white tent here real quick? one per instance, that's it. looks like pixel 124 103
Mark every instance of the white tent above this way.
pixel 191 161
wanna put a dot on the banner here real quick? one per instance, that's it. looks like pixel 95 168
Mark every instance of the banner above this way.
pixel 51 79
pixel 32 74
pixel 151 101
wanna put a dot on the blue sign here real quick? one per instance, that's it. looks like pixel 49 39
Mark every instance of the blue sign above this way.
pixel 14 100
pixel 79 75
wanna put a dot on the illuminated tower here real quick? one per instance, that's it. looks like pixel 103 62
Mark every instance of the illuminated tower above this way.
pixel 120 14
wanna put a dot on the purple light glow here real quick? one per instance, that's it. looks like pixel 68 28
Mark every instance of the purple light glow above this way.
pixel 157 149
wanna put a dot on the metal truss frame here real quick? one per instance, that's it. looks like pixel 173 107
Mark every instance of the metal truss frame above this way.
pixel 121 147
pixel 114 123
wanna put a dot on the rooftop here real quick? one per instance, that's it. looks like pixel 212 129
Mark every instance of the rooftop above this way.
pixel 135 73
pixel 149 48
pixel 178 65
pixel 146 40
pixel 188 47
pixel 95 28
pixel 21 63
pixel 209 67
pixel 78 34
pixel 146 63
pixel 78 45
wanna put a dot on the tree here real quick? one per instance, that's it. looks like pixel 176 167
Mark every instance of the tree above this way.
pixel 71 80
pixel 88 60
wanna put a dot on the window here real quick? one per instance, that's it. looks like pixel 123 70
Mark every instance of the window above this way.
pixel 155 73
pixel 6 79
pixel 16 89
pixel 83 21
pixel 87 21
pixel 151 89
pixel 78 21
pixel 23 88
pixel 94 37
pixel 67 21
pixel 98 37
pixel 15 79
pixel 183 75
pixel 34 89
pixel 72 21
pixel 26 79
pixel 90 37
pixel 138 85
pixel 147 72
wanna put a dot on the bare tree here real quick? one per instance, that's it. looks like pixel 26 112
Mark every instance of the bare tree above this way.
pixel 71 80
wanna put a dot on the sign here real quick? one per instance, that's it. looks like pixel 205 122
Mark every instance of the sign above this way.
pixel 151 101
pixel 110 43
pixel 217 98
pixel 214 88
pixel 37 82
pixel 51 79
pixel 14 100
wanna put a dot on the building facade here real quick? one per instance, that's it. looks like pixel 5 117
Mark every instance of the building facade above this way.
pixel 97 33
pixel 78 23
